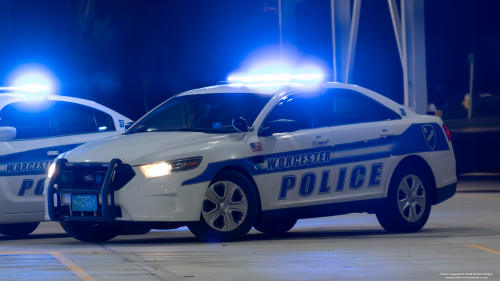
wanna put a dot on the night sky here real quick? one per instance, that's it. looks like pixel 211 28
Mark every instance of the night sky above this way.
pixel 124 48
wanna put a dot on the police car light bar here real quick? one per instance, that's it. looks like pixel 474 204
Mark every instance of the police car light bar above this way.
pixel 32 88
pixel 277 77
pixel 31 82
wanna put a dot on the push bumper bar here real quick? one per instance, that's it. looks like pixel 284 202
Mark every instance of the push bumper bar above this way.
pixel 109 210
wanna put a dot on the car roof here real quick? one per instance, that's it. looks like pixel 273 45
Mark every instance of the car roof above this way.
pixel 6 98
pixel 27 97
pixel 267 89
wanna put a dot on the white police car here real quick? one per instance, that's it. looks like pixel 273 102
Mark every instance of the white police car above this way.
pixel 225 158
pixel 34 130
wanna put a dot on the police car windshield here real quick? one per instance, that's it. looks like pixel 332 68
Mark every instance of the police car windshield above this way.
pixel 211 113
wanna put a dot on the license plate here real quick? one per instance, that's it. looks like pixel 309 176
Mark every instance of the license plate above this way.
pixel 84 202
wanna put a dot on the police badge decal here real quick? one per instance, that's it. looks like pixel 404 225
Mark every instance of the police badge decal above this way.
pixel 429 135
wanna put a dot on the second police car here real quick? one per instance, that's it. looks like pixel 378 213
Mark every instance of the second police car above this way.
pixel 34 130
pixel 227 158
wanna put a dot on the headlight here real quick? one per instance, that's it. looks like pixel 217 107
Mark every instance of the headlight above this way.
pixel 51 170
pixel 156 169
pixel 163 168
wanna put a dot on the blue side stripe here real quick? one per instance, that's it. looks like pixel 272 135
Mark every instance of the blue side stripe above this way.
pixel 410 141
pixel 36 157
pixel 38 153
pixel 28 155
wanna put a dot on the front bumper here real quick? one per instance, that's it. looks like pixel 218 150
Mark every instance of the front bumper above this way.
pixel 140 199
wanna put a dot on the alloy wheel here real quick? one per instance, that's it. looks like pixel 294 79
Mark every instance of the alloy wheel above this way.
pixel 411 198
pixel 224 206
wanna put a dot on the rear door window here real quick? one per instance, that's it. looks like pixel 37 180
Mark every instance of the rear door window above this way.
pixel 350 107
pixel 72 118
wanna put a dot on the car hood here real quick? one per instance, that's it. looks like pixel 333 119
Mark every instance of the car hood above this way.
pixel 143 148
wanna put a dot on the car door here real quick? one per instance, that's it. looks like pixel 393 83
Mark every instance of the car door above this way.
pixel 297 162
pixel 76 124
pixel 363 133
pixel 25 159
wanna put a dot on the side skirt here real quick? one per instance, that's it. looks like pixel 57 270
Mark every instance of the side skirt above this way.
pixel 325 210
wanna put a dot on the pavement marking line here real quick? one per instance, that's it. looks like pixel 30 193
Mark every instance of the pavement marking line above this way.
pixel 40 253
pixel 73 267
pixel 481 197
pixel 482 248
pixel 171 275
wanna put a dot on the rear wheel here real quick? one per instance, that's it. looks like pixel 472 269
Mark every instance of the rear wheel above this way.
pixel 17 229
pixel 229 209
pixel 91 231
pixel 275 226
pixel 408 203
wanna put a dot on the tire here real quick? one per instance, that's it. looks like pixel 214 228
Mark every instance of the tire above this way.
pixel 398 215
pixel 18 229
pixel 91 231
pixel 229 209
pixel 275 226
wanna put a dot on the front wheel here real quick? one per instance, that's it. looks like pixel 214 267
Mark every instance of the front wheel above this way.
pixel 91 231
pixel 18 229
pixel 408 202
pixel 229 209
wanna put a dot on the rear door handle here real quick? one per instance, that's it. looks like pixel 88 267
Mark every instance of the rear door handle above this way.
pixel 387 134
pixel 321 140
pixel 52 153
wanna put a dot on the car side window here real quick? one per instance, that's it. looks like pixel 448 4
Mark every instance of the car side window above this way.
pixel 305 108
pixel 72 118
pixel 28 117
pixel 350 107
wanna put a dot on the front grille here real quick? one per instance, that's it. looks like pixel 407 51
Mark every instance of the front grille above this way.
pixel 91 176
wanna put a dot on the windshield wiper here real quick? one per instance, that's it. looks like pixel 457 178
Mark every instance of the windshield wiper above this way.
pixel 138 131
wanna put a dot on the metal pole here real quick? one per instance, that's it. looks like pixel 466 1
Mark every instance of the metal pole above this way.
pixel 411 66
pixel 396 23
pixel 405 54
pixel 352 40
pixel 334 45
pixel 471 82
pixel 281 31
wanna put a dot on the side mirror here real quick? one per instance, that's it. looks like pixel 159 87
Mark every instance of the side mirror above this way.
pixel 7 133
pixel 280 126
pixel 240 124
pixel 127 125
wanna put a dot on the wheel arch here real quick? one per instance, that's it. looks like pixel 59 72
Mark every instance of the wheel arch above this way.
pixel 419 162
pixel 247 175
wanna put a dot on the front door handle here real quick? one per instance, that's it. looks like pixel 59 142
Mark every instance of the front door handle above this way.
pixel 321 140
pixel 52 153
pixel 385 134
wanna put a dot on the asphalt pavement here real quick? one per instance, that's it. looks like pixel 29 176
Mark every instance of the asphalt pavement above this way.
pixel 461 239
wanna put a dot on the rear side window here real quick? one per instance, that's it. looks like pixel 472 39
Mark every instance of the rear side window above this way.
pixel 28 117
pixel 72 118
pixel 308 109
pixel 350 107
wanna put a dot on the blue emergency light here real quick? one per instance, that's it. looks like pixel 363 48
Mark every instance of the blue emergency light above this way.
pixel 277 77
pixel 31 83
